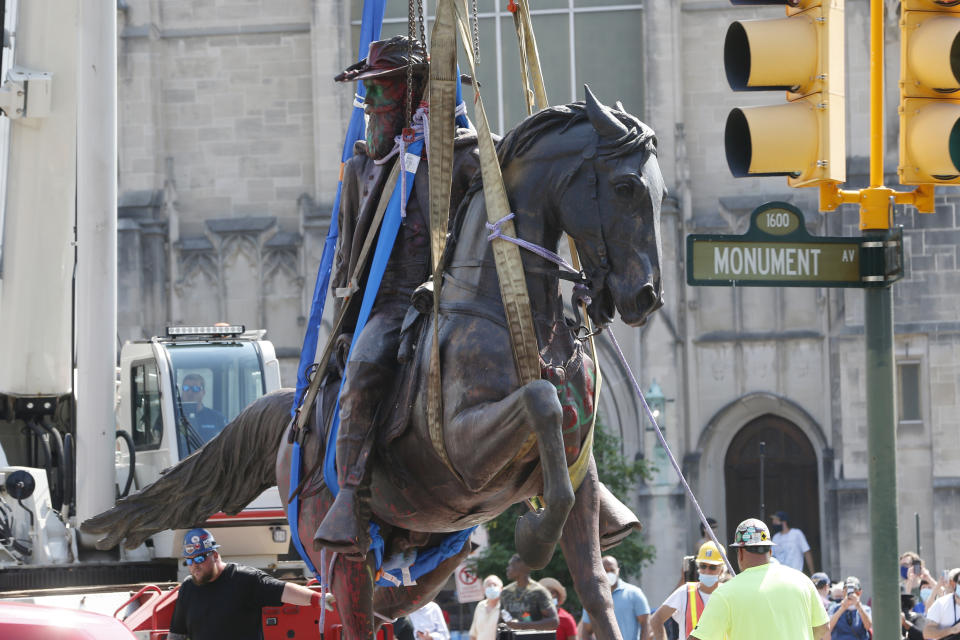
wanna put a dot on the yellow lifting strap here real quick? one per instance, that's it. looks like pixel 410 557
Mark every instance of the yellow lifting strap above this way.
pixel 529 59
pixel 513 285
pixel 443 103
pixel 530 67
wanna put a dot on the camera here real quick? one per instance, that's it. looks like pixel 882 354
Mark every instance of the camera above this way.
pixel 505 633
pixel 689 569
pixel 850 591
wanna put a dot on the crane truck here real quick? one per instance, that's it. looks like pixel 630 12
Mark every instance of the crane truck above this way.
pixel 75 435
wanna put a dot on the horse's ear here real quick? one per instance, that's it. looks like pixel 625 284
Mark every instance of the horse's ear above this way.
pixel 606 124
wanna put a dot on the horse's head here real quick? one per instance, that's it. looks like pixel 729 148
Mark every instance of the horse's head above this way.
pixel 611 207
pixel 592 171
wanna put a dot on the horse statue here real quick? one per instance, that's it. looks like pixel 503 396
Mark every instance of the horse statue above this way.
pixel 583 168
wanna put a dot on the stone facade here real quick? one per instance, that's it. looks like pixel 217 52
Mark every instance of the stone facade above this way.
pixel 230 130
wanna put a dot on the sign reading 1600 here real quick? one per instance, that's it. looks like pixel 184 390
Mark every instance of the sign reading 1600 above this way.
pixel 778 251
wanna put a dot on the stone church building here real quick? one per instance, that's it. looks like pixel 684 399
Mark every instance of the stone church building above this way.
pixel 230 136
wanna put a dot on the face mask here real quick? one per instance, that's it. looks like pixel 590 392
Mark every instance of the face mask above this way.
pixel 903 572
pixel 957 591
pixel 611 578
pixel 925 593
pixel 492 593
pixel 555 603
pixel 708 579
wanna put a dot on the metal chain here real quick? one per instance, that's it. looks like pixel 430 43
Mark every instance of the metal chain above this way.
pixel 476 33
pixel 421 21
pixel 411 35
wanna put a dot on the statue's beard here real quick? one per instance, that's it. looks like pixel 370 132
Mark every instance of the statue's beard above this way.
pixel 382 129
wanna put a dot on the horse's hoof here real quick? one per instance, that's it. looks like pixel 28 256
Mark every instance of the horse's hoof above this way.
pixel 534 551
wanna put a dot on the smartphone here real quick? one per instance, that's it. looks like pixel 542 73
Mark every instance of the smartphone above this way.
pixel 917 568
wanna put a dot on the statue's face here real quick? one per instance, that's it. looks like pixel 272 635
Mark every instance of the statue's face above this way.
pixel 385 111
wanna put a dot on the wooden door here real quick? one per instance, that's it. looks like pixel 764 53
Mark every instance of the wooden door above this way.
pixel 790 478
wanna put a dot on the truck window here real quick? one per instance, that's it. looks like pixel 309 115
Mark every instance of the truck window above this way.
pixel 214 382
pixel 145 395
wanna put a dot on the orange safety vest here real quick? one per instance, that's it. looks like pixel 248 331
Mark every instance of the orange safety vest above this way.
pixel 694 606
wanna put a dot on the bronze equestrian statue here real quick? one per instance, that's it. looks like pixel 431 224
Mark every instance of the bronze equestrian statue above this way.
pixel 585 169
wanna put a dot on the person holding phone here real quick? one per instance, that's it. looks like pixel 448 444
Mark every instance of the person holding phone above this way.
pixel 850 619
pixel 943 616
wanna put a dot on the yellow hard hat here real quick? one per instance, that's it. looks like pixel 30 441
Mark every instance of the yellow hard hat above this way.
pixel 710 554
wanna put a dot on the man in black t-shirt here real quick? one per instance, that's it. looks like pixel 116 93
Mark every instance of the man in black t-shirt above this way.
pixel 222 600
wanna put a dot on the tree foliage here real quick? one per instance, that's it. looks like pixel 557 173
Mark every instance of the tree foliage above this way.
pixel 620 475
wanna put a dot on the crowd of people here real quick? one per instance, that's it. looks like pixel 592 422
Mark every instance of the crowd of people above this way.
pixel 767 598
pixel 771 596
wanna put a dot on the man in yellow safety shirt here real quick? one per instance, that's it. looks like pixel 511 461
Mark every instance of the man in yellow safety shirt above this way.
pixel 686 603
pixel 764 600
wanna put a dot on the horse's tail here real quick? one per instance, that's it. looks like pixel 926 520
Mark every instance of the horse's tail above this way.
pixel 226 474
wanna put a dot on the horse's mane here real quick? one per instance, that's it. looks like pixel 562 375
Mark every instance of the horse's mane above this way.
pixel 521 138
pixel 559 118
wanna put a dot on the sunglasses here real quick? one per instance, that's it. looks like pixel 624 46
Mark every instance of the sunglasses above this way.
pixel 192 387
pixel 198 559
pixel 709 568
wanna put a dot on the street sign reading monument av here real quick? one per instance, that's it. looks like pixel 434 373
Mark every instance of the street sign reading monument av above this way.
pixel 777 251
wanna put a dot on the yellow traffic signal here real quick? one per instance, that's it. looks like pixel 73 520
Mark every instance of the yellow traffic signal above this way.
pixel 929 92
pixel 801 54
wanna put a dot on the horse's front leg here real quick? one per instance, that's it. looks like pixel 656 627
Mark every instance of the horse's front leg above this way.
pixel 534 405
pixel 581 548
pixel 352 586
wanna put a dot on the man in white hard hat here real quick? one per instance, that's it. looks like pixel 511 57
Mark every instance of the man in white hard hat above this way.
pixel 787 607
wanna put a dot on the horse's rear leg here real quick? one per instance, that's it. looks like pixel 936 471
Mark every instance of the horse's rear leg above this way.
pixel 352 586
pixel 581 548
pixel 534 405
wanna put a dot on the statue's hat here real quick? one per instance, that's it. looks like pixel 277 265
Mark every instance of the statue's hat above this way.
pixel 387 57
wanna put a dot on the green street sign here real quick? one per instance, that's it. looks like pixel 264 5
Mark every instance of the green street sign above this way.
pixel 777 251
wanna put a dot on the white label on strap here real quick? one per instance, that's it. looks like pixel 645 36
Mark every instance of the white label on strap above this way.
pixel 411 162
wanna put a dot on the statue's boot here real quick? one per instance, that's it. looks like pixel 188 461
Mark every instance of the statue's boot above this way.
pixel 345 527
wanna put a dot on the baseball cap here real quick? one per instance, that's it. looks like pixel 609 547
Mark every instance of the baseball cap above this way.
pixel 197 541
pixel 752 533
pixel 852 581
pixel 820 579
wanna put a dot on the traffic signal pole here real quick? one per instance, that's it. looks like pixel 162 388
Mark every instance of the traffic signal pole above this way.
pixel 876 204
pixel 875 211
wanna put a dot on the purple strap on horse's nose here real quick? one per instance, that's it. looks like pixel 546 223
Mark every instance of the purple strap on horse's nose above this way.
pixel 494 228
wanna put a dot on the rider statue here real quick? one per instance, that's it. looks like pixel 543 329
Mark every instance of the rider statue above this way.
pixel 372 368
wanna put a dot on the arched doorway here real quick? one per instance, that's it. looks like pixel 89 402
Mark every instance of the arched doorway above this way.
pixel 790 477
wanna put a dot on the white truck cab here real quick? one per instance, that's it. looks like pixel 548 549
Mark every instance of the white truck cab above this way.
pixel 176 393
